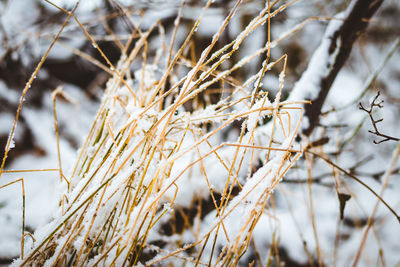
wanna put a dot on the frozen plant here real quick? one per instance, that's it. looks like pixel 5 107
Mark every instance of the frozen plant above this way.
pixel 154 152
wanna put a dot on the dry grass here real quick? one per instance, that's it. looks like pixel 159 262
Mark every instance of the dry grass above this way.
pixel 154 182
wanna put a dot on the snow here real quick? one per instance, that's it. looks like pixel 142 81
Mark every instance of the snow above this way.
pixel 6 120
pixel 10 95
pixel 291 226
pixel 320 63
pixel 345 89
pixel 42 189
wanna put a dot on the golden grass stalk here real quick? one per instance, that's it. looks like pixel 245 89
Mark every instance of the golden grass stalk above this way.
pixel 153 154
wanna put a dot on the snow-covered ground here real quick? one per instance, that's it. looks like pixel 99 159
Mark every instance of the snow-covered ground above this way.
pixel 304 220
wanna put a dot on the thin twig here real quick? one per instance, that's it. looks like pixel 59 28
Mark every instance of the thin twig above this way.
pixel 378 104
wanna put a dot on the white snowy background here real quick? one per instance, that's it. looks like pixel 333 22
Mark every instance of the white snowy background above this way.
pixel 25 39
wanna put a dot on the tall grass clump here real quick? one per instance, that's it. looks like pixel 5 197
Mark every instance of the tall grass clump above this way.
pixel 180 160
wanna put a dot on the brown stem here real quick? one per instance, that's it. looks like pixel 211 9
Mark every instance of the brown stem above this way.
pixel 374 121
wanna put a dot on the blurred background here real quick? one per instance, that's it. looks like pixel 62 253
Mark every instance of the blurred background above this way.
pixel 305 208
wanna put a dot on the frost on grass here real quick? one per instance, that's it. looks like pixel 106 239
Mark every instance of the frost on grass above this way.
pixel 154 183
pixel 138 161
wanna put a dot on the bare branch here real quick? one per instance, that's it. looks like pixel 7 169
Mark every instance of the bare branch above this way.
pixel 378 104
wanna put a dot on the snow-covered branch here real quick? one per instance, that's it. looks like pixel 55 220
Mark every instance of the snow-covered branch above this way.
pixel 331 55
